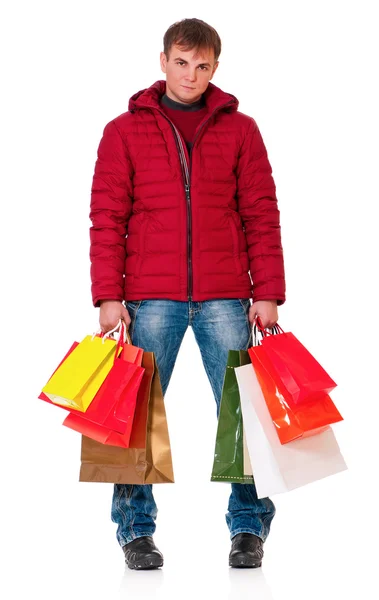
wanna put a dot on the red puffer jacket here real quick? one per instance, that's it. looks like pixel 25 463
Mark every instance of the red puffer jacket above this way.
pixel 169 225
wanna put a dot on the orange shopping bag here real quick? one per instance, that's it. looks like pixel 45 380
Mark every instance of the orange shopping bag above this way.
pixel 291 421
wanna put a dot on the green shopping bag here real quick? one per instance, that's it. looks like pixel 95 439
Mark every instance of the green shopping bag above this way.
pixel 231 458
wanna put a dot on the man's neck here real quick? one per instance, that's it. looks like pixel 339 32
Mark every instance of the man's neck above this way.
pixel 187 107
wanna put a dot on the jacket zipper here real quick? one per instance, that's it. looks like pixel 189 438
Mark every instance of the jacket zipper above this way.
pixel 187 188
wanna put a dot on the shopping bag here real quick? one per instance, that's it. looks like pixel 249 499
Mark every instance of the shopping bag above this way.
pixel 136 424
pixel 231 458
pixel 125 407
pixel 292 421
pixel 135 430
pixel 114 403
pixel 42 395
pixel 280 468
pixel 79 376
pixel 151 463
pixel 298 371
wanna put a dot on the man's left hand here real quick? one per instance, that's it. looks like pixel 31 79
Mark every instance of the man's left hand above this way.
pixel 266 310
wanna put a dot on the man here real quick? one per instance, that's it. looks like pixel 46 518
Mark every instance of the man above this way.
pixel 185 230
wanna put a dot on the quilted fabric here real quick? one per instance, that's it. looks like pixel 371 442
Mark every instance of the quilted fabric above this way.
pixel 147 240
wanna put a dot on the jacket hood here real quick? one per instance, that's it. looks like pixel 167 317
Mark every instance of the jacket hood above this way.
pixel 150 97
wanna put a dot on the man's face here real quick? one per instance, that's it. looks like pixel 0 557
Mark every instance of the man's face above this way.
pixel 187 73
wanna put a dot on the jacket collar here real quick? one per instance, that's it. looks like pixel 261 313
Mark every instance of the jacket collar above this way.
pixel 215 97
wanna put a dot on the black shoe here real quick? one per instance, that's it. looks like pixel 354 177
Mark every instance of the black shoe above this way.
pixel 247 551
pixel 142 553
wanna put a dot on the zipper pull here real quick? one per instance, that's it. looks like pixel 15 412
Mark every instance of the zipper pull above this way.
pixel 187 188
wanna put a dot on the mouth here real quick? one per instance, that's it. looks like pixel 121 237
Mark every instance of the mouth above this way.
pixel 187 88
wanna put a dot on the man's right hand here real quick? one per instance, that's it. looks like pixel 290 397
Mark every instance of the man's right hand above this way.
pixel 111 311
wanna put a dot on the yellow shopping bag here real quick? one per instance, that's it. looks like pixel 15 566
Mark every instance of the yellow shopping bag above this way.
pixel 79 377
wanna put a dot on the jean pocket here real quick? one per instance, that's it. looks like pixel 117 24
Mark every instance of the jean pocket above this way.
pixel 133 305
pixel 245 303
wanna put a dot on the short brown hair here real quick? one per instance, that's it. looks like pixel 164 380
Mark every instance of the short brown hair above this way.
pixel 192 33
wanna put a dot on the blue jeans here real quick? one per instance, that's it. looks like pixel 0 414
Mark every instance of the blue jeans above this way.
pixel 219 326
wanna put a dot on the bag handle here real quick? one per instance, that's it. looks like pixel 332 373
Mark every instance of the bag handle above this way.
pixel 122 339
pixel 124 333
pixel 256 328
pixel 264 331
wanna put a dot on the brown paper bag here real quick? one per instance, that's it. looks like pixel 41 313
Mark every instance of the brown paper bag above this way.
pixel 137 465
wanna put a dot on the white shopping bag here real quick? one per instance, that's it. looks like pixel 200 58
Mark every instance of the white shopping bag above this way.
pixel 280 468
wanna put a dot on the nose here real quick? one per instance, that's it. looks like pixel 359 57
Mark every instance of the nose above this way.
pixel 191 76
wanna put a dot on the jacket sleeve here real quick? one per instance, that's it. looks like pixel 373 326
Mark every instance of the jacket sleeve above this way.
pixel 258 208
pixel 111 205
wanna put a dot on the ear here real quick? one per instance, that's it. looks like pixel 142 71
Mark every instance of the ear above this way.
pixel 163 61
pixel 214 70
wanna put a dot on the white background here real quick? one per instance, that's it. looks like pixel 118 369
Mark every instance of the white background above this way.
pixel 307 73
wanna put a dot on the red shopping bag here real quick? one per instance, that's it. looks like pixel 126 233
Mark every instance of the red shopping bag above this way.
pixel 298 371
pixel 114 404
pixel 291 421
pixel 135 434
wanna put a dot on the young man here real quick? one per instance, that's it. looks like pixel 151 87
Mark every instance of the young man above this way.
pixel 185 230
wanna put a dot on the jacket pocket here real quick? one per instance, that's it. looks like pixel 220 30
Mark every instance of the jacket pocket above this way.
pixel 235 242
pixel 141 244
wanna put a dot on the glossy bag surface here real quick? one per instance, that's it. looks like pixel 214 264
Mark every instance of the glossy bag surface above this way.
pixel 298 371
pixel 231 458
pixel 291 421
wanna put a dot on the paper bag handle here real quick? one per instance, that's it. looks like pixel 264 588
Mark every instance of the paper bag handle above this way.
pixel 264 331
